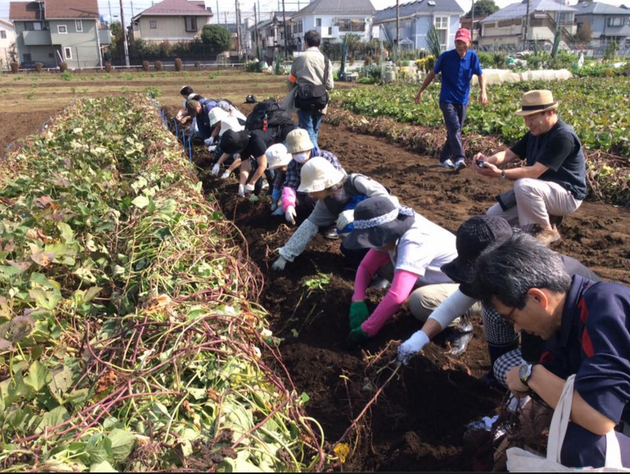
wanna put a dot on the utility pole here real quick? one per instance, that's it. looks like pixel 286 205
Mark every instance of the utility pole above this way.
pixel 111 17
pixel 397 30
pixel 218 14
pixel 238 29
pixel 286 36
pixel 124 29
pixel 256 30
pixel 472 24
pixel 526 24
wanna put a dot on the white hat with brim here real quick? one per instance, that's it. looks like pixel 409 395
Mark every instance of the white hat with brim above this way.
pixel 216 115
pixel 318 174
pixel 537 101
pixel 277 156
pixel 298 141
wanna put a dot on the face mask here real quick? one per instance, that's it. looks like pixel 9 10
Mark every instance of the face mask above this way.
pixel 301 157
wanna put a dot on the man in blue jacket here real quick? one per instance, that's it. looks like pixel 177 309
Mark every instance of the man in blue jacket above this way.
pixel 457 67
pixel 586 326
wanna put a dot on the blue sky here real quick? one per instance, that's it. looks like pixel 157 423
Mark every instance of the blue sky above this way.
pixel 247 6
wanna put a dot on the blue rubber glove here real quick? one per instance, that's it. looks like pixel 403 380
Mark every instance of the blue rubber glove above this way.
pixel 357 336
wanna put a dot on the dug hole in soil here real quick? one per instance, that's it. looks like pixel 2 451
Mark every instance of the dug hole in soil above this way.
pixel 418 420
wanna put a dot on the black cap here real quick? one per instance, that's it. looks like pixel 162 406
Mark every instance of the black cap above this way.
pixel 473 237
pixel 234 142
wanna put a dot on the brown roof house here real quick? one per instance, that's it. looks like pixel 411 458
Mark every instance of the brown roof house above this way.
pixel 171 20
pixel 54 31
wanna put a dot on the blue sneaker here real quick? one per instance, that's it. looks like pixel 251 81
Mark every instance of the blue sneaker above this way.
pixel 447 164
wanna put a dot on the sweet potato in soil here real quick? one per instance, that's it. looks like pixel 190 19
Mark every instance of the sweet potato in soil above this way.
pixel 419 419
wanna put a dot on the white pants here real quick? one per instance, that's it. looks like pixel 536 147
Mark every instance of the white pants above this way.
pixel 536 200
pixel 424 300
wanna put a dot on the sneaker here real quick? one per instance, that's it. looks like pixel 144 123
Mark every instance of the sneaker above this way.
pixel 548 236
pixel 459 165
pixel 249 188
pixel 241 191
pixel 459 342
pixel 447 164
pixel 379 283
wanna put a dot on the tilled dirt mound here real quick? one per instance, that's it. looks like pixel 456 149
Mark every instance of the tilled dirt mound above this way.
pixel 419 419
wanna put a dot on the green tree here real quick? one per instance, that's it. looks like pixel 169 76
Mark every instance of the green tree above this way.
pixel 218 38
pixel 584 33
pixel 483 8
pixel 433 42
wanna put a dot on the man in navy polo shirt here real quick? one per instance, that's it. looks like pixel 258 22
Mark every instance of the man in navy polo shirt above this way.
pixel 457 67
pixel 586 326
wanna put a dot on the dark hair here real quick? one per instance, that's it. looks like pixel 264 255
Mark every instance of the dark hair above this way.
pixel 312 38
pixel 234 142
pixel 186 91
pixel 191 106
pixel 508 270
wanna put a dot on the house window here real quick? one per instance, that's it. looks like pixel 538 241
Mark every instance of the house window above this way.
pixel 191 23
pixel 441 25
pixel 566 18
pixel 318 22
pixel 67 52
pixel 297 27
pixel 27 58
pixel 3 34
pixel 62 29
pixel 351 25
pixel 616 21
pixel 153 24
pixel 35 26
pixel 79 26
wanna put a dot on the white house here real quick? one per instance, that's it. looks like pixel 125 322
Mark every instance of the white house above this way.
pixel 416 19
pixel 7 37
pixel 333 19
pixel 507 27
pixel 171 20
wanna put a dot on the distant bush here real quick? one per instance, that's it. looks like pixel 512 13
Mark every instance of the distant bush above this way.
pixel 63 67
pixel 108 67
pixel 145 65
pixel 38 67
pixel 157 65
pixel 178 64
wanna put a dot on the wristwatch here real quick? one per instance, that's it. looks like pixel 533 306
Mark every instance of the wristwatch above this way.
pixel 524 373
pixel 502 174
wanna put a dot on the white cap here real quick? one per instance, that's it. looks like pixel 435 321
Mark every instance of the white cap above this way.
pixel 318 174
pixel 277 156
pixel 216 115
pixel 230 123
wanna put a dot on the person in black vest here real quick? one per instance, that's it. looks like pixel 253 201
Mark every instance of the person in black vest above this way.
pixel 554 181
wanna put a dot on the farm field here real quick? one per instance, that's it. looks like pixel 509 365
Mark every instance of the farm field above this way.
pixel 420 417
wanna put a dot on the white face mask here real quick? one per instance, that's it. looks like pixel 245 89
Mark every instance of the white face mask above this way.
pixel 301 157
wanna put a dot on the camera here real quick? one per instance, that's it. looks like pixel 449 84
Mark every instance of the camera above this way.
pixel 479 163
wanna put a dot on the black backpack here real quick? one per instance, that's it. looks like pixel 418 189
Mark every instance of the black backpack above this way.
pixel 267 114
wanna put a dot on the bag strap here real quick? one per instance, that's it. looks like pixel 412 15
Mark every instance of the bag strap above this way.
pixel 560 422
pixel 326 63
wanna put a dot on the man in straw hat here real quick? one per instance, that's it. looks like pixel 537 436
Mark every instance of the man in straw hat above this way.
pixel 586 326
pixel 554 181
pixel 457 67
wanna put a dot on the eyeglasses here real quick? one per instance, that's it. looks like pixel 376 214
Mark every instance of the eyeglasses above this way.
pixel 509 316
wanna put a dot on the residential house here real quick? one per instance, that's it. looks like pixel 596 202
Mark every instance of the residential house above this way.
pixel 245 40
pixel 607 22
pixel 54 31
pixel 271 39
pixel 333 19
pixel 508 27
pixel 416 19
pixel 171 20
pixel 7 38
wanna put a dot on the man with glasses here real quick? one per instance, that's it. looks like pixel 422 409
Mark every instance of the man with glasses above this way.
pixel 586 326
pixel 554 181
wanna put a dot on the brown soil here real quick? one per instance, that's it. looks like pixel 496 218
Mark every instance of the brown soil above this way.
pixel 419 419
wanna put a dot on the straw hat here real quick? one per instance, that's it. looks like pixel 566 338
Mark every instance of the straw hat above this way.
pixel 536 101
pixel 318 174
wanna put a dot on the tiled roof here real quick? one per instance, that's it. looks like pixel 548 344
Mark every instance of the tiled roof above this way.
pixel 338 7
pixel 519 10
pixel 26 11
pixel 80 9
pixel 418 7
pixel 176 8
pixel 596 8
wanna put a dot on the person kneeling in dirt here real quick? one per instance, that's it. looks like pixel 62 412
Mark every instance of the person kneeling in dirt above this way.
pixel 250 148
pixel 586 326
pixel 416 246
pixel 335 192
pixel 302 149
pixel 278 159
pixel 183 116
pixel 473 237
pixel 199 109
pixel 554 181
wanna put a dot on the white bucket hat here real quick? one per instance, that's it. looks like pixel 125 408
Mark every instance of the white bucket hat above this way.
pixel 230 123
pixel 318 174
pixel 298 141
pixel 216 115
pixel 277 156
